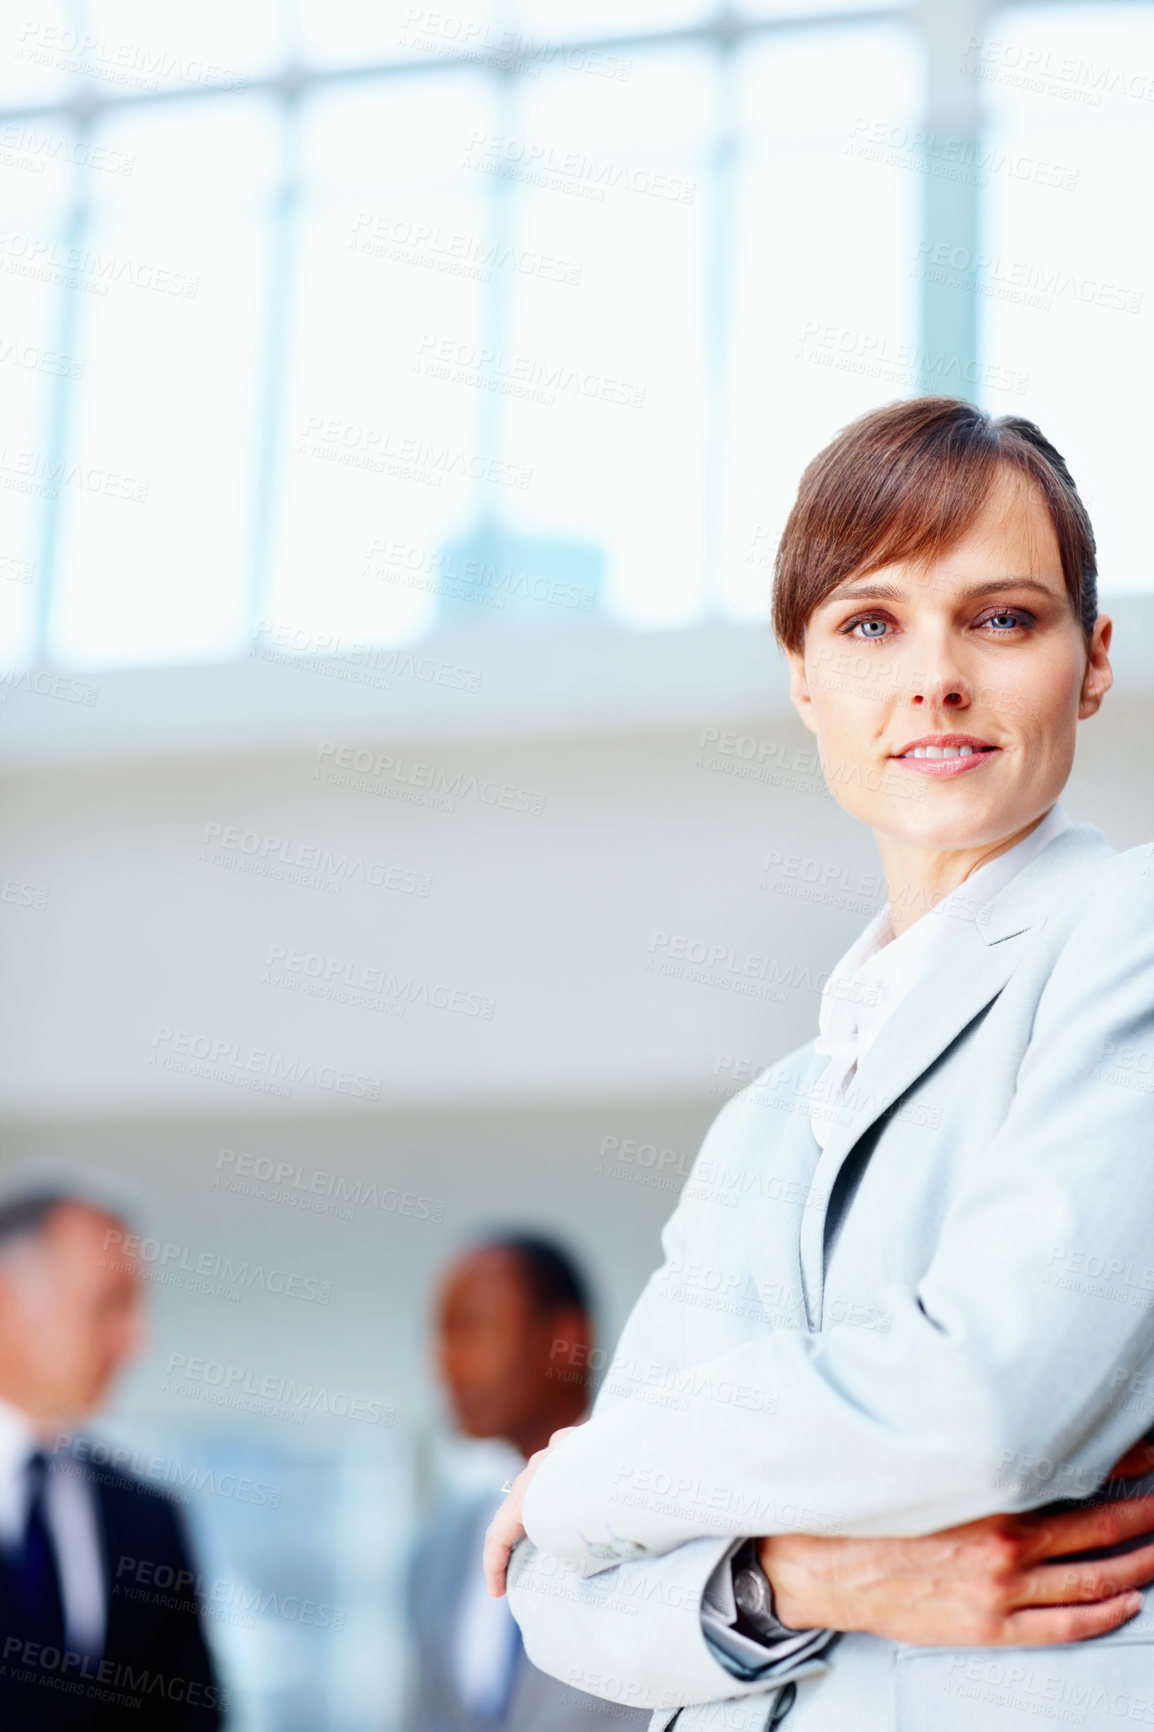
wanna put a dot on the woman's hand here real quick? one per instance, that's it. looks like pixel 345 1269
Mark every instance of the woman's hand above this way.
pixel 506 1527
pixel 991 1583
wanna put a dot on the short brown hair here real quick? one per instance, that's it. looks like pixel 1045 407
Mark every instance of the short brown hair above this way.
pixel 907 482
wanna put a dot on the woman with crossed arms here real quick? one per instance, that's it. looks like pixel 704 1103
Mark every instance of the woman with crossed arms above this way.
pixel 894 1483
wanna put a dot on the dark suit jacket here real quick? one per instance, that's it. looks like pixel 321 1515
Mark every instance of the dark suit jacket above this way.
pixel 155 1674
pixel 449 1552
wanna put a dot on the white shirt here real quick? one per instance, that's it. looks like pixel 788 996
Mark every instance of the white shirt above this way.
pixel 70 1513
pixel 487 1641
pixel 878 970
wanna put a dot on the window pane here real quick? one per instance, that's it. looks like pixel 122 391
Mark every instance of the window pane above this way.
pixel 824 317
pixel 156 508
pixel 381 463
pixel 37 355
pixel 1068 254
pixel 604 383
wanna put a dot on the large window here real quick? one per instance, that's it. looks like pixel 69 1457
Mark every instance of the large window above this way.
pixel 337 321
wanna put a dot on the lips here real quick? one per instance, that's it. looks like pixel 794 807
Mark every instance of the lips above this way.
pixel 945 755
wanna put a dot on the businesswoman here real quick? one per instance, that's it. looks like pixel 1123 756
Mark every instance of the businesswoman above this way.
pixel 907 1302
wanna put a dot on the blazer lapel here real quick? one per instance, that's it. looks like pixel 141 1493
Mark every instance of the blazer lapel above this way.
pixel 934 1013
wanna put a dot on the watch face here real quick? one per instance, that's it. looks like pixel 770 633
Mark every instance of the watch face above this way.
pixel 751 1591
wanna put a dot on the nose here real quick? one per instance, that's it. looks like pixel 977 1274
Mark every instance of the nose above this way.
pixel 949 689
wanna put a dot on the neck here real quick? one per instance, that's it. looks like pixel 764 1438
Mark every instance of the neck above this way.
pixel 16 1395
pixel 918 878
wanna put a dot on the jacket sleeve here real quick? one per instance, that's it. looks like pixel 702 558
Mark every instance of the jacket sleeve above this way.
pixel 628 1626
pixel 632 1632
pixel 1027 1342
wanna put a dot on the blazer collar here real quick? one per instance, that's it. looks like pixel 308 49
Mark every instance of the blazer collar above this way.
pixel 935 1012
pixel 1027 898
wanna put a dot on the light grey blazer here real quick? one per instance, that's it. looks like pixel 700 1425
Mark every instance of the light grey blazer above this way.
pixel 948 1312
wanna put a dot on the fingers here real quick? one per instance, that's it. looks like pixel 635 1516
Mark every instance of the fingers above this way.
pixel 1058 1624
pixel 506 1527
pixel 1135 1462
pixel 1084 1530
pixel 502 1535
pixel 1101 1579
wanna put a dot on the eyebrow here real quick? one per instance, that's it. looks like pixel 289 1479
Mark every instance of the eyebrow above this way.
pixel 866 591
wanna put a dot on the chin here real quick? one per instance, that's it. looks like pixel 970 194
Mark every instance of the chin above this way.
pixel 947 826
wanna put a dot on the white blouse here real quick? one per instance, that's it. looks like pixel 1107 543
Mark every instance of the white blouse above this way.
pixel 878 970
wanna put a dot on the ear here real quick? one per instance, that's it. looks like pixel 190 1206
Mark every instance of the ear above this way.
pixel 570 1336
pixel 1099 675
pixel 799 689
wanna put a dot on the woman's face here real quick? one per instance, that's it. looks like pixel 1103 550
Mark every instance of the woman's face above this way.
pixel 977 655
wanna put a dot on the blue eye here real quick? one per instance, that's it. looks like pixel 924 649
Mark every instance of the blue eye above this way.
pixel 871 628
pixel 1012 619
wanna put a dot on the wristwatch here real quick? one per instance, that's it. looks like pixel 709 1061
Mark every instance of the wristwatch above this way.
pixel 752 1593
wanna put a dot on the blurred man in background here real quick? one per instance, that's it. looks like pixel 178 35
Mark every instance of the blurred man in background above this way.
pixel 99 1626
pixel 513 1339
